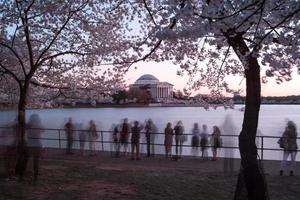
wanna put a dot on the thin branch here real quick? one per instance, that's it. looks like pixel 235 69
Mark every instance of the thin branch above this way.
pixel 231 15
pixel 6 70
pixel 149 12
pixel 61 54
pixel 260 18
pixel 277 25
pixel 252 14
pixel 70 15
pixel 219 71
pixel 16 54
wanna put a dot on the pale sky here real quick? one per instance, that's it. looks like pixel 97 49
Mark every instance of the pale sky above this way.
pixel 166 72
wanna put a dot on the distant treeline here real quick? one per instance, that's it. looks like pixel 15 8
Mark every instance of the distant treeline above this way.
pixel 294 99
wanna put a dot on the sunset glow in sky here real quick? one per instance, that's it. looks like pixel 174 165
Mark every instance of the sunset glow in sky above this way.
pixel 167 72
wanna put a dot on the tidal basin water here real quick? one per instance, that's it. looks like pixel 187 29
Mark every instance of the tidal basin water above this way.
pixel 272 121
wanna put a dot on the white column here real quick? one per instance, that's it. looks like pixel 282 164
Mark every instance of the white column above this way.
pixel 159 92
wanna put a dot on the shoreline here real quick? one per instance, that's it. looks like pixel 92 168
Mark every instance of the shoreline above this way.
pixel 141 106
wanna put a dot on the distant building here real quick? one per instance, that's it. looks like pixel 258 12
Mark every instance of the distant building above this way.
pixel 160 91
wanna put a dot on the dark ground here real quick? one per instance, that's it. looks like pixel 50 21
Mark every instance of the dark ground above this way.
pixel 104 177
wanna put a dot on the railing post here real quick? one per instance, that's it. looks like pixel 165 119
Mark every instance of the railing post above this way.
pixel 262 148
pixel 101 132
pixel 59 138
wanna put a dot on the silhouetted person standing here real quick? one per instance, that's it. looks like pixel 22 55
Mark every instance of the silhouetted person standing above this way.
pixel 125 128
pixel 150 137
pixel 116 139
pixel 135 141
pixel 179 138
pixel 216 141
pixel 69 128
pixel 289 143
pixel 10 142
pixel 168 139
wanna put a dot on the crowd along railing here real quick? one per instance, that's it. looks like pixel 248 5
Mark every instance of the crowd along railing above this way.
pixel 8 133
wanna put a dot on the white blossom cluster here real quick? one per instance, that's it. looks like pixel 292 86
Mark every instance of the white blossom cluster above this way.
pixel 212 39
pixel 55 48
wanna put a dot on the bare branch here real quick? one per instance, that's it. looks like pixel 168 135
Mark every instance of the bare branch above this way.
pixel 149 12
pixel 290 15
pixel 16 54
pixel 70 15
pixel 6 70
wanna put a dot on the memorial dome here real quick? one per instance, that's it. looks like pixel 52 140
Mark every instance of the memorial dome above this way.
pixel 147 79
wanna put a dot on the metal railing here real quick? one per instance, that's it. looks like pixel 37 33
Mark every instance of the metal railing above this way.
pixel 4 134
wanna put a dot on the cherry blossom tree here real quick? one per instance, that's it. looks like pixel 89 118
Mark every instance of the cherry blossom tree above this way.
pixel 59 47
pixel 211 39
pixel 49 48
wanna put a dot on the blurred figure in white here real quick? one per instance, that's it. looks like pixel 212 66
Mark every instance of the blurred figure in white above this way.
pixel 228 128
pixel 34 130
pixel 258 139
pixel 93 136
pixel 82 138
pixel 195 139
pixel 204 142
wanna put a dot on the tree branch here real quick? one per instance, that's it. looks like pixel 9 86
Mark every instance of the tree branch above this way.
pixel 16 54
pixel 277 25
pixel 70 15
pixel 149 12
pixel 6 70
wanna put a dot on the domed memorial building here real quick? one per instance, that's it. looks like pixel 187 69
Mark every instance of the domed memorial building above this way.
pixel 159 91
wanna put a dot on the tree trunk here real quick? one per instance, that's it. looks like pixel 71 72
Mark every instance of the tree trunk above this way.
pixel 251 174
pixel 22 151
pixel 22 116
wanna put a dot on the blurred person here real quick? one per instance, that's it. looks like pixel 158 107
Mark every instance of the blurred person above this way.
pixel 216 141
pixel 116 139
pixel 34 130
pixel 69 129
pixel 151 133
pixel 228 128
pixel 179 138
pixel 288 142
pixel 10 151
pixel 93 136
pixel 258 138
pixel 135 140
pixel 82 138
pixel 204 142
pixel 195 139
pixel 124 135
pixel 168 139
